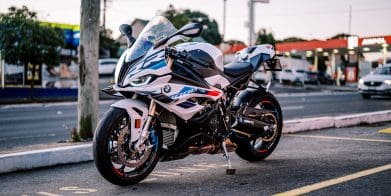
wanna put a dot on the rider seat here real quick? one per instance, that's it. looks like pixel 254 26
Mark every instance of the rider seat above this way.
pixel 235 69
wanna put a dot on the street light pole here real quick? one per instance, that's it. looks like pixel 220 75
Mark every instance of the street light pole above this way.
pixel 224 17
pixel 2 71
pixel 251 19
pixel 350 19
pixel 250 22
pixel 104 14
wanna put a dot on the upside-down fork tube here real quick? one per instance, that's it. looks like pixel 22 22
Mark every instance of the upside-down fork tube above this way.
pixel 146 129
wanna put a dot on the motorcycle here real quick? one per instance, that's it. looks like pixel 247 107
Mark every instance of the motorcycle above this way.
pixel 179 99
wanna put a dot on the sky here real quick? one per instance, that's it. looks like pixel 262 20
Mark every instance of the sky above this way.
pixel 309 19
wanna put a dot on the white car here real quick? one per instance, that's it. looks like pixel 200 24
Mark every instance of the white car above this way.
pixel 377 82
pixel 292 76
pixel 107 66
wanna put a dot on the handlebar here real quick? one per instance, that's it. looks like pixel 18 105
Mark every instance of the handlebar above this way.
pixel 182 55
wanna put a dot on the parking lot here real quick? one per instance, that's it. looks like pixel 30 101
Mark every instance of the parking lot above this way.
pixel 347 161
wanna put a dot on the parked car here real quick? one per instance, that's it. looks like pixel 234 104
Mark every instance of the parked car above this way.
pixel 292 76
pixel 260 77
pixel 107 66
pixel 325 78
pixel 377 82
pixel 311 77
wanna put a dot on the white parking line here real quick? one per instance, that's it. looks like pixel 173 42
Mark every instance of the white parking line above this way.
pixel 312 94
pixel 338 138
pixel 298 107
pixel 207 166
pixel 188 169
pixel 29 105
pixel 168 173
pixel 149 180
pixel 159 175
pixel 331 182
pixel 47 194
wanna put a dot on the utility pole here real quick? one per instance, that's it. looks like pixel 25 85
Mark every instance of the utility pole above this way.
pixel 88 92
pixel 2 68
pixel 104 14
pixel 224 16
pixel 250 22
pixel 251 19
pixel 350 19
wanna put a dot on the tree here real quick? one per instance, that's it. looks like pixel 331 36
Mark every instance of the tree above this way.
pixel 181 17
pixel 292 39
pixel 23 41
pixel 107 43
pixel 88 92
pixel 340 36
pixel 263 37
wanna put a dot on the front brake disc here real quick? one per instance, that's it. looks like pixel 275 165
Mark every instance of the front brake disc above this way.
pixel 128 158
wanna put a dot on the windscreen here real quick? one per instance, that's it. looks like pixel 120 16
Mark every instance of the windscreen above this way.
pixel 158 28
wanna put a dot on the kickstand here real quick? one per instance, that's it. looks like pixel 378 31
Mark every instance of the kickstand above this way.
pixel 230 170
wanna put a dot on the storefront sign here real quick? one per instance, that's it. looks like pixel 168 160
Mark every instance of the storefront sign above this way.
pixel 372 41
pixel 30 77
pixel 350 73
pixel 352 42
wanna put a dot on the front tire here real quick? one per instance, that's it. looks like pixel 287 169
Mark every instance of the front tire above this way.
pixel 257 150
pixel 122 168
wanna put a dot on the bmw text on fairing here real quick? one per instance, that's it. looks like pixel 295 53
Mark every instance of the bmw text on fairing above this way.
pixel 179 99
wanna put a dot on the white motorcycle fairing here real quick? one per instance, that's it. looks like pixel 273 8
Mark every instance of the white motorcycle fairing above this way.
pixel 153 75
pixel 129 105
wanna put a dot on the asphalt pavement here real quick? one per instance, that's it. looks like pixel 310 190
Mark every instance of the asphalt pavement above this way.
pixel 346 161
pixel 29 124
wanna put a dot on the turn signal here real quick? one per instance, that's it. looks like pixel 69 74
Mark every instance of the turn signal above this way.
pixel 137 123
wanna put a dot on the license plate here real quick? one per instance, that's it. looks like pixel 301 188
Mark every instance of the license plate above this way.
pixel 272 65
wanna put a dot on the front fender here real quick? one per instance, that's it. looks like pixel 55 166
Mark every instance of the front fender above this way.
pixel 136 109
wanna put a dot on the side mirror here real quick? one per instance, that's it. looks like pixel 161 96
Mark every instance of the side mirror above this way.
pixel 126 30
pixel 191 30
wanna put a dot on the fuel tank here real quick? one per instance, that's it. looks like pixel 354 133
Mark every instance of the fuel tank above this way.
pixel 211 65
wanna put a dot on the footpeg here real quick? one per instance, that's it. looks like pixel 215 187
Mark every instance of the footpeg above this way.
pixel 230 170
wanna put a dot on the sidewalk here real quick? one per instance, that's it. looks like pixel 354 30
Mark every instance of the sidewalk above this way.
pixel 65 153
pixel 279 88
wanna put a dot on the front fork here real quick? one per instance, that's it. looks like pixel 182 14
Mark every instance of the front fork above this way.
pixel 139 145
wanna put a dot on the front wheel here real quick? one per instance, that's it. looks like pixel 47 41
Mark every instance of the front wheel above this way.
pixel 113 157
pixel 260 148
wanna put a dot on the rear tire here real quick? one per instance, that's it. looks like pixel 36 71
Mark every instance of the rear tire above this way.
pixel 107 160
pixel 245 148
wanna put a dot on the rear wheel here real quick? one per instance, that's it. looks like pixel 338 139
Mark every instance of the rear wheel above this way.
pixel 113 158
pixel 260 148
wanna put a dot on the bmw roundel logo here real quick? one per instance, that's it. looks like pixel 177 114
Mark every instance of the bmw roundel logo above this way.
pixel 167 88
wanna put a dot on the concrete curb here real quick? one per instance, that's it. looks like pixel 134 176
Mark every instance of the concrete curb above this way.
pixel 80 153
pixel 43 158
pixel 306 124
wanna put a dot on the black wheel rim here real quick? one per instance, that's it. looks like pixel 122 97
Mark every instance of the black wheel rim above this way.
pixel 260 145
pixel 118 166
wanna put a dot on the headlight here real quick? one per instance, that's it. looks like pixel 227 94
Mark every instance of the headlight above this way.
pixel 361 81
pixel 388 82
pixel 141 81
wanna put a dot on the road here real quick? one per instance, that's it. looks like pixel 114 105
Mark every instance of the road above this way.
pixel 356 159
pixel 28 124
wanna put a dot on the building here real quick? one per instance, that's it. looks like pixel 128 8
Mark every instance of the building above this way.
pixel 137 26
pixel 353 56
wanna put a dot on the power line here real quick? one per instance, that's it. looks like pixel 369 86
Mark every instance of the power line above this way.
pixel 327 13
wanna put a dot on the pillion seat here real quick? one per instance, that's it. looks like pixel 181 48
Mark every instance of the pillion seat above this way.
pixel 235 69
